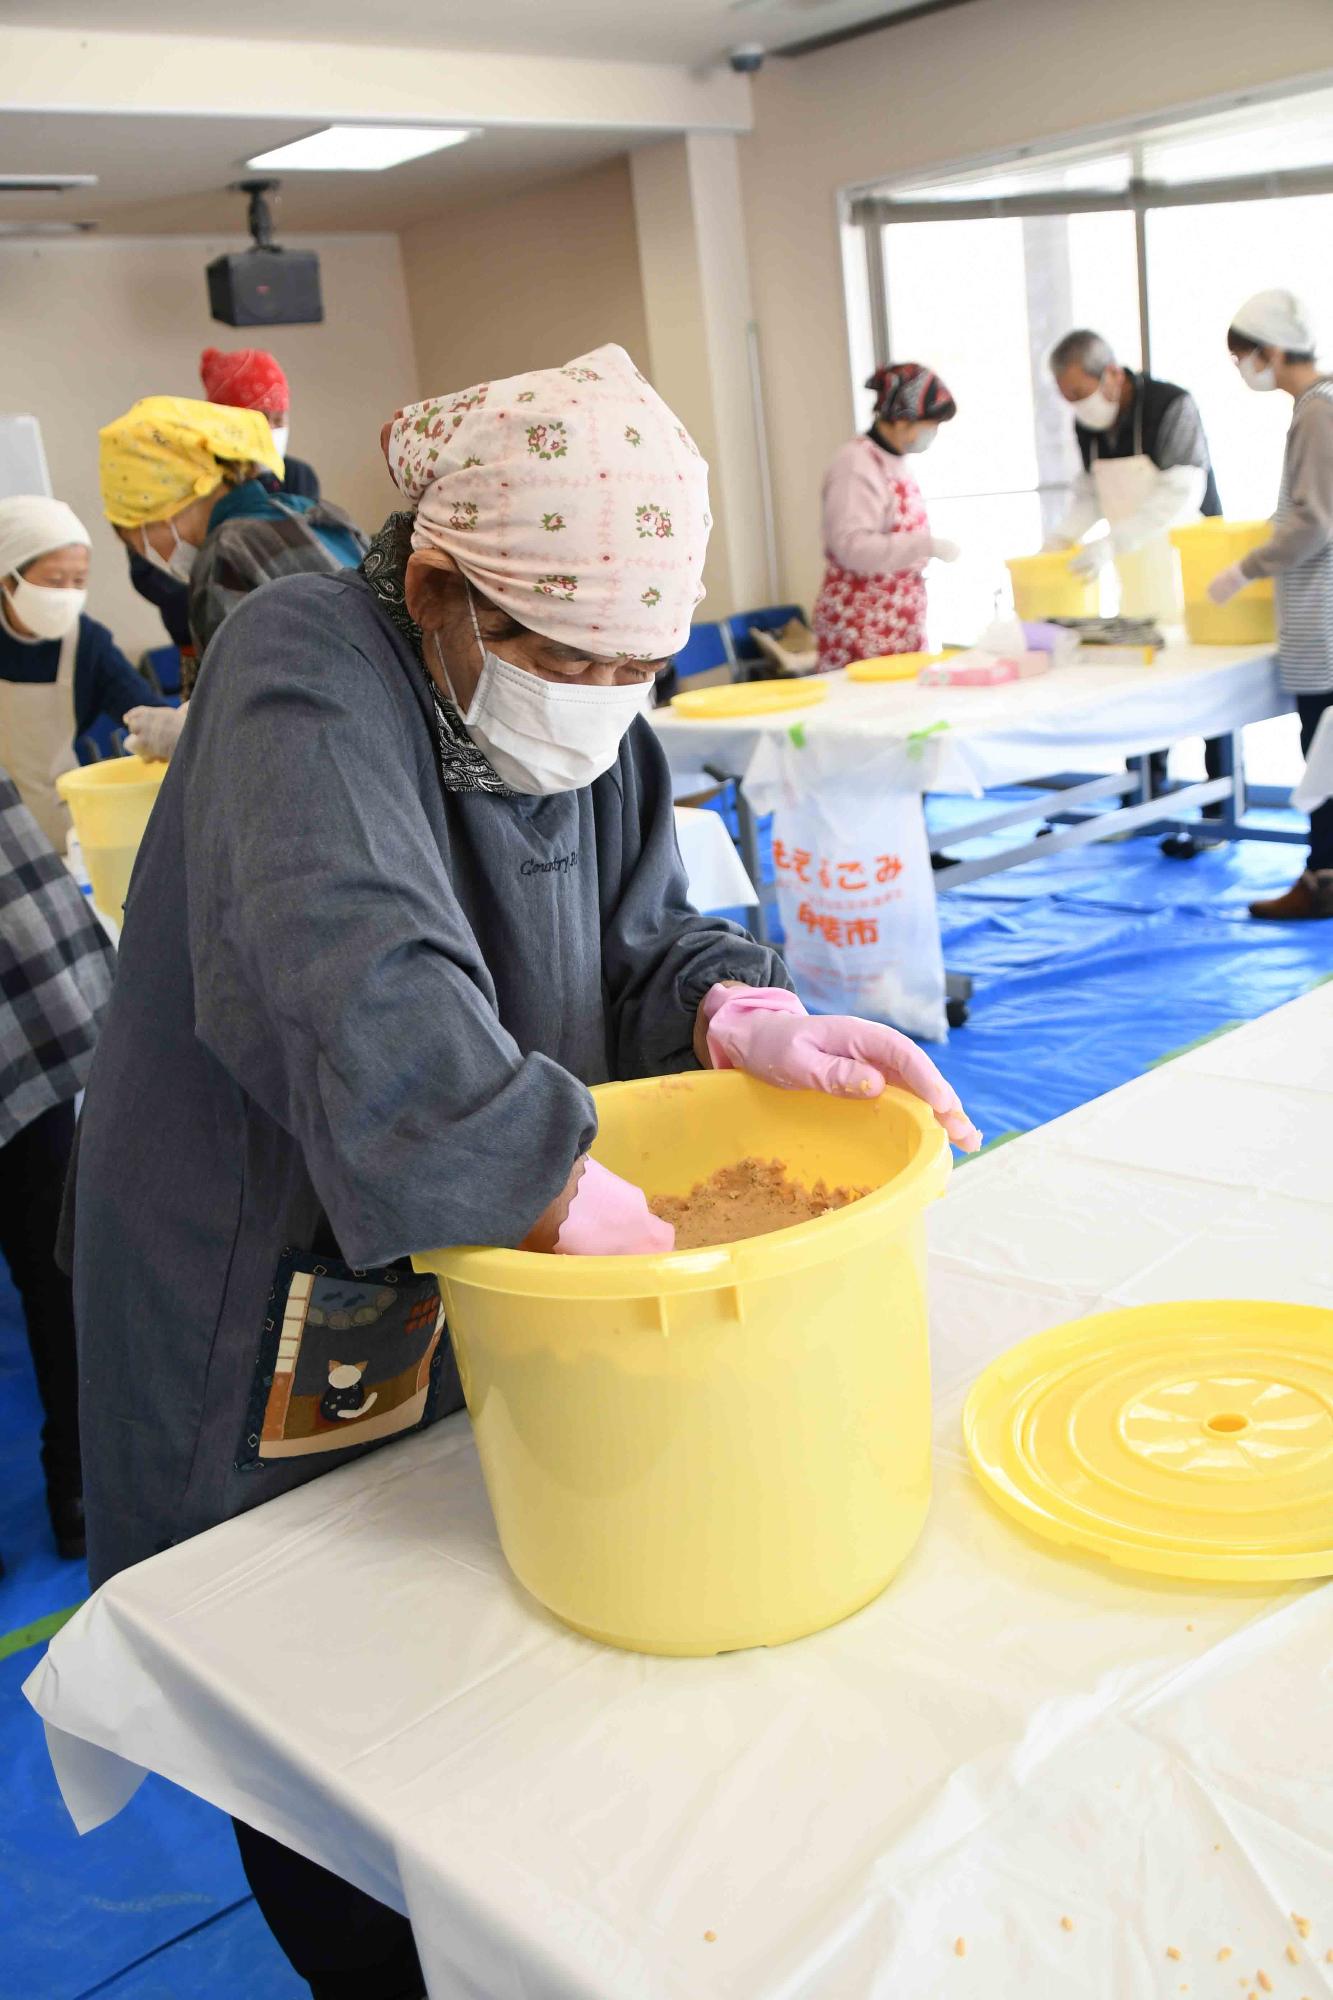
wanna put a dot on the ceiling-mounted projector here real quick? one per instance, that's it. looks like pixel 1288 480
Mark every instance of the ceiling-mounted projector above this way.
pixel 264 286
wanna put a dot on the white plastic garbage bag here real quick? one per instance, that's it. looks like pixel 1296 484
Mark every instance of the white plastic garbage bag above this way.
pixel 1316 783
pixel 855 891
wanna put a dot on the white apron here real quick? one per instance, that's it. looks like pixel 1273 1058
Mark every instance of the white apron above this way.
pixel 37 740
pixel 1149 576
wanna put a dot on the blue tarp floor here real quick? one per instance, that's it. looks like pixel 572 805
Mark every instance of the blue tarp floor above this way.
pixel 1089 968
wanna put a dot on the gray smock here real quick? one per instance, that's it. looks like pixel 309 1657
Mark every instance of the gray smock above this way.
pixel 355 1016
pixel 1299 557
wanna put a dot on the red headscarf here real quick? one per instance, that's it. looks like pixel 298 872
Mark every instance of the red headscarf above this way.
pixel 249 379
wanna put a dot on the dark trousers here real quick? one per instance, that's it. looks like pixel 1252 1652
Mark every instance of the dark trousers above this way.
pixel 1213 751
pixel 1311 708
pixel 344 1944
pixel 32 1179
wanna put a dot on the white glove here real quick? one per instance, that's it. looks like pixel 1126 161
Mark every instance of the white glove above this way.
pixel 1091 559
pixel 1224 587
pixel 153 733
pixel 941 551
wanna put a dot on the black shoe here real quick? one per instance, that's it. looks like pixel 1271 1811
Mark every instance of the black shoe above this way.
pixel 66 1511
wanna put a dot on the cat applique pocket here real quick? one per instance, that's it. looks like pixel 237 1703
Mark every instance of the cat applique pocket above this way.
pixel 347 1357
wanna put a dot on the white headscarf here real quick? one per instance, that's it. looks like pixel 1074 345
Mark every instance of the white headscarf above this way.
pixel 1276 319
pixel 32 525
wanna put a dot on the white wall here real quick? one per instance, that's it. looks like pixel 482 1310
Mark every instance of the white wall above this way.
pixel 498 287
pixel 996 74
pixel 86 327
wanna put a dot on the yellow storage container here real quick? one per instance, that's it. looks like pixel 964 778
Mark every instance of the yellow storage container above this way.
pixel 1205 549
pixel 1045 587
pixel 714 1448
pixel 110 803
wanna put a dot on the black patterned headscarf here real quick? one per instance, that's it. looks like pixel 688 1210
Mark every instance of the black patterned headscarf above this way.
pixel 907 392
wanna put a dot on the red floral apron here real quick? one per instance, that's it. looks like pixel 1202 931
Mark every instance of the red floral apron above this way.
pixel 861 617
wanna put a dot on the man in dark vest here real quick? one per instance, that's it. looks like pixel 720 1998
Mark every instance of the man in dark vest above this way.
pixel 1146 470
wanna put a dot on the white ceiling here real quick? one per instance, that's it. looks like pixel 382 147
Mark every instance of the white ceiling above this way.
pixel 169 176
pixel 666 31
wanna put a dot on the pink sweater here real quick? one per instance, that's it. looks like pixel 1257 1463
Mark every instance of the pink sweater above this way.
pixel 866 491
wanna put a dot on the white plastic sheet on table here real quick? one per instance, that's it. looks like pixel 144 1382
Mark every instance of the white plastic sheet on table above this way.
pixel 1007 1737
pixel 851 772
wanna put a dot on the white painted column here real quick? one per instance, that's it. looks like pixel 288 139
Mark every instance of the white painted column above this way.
pixel 697 301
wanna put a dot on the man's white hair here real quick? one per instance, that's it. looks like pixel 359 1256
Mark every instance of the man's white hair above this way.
pixel 1083 349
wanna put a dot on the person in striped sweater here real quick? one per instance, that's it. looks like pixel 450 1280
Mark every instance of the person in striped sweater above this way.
pixel 1273 345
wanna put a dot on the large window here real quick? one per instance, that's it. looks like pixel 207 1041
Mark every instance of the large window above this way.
pixel 1202 262
pixel 982 301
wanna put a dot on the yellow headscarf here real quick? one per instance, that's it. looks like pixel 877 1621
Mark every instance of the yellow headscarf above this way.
pixel 167 451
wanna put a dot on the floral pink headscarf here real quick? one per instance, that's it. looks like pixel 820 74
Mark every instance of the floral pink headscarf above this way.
pixel 571 496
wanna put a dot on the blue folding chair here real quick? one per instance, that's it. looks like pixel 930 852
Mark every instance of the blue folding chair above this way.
pixel 708 650
pixel 161 668
pixel 705 657
pixel 741 625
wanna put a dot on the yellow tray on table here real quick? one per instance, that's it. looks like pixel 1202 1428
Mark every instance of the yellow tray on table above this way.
pixel 893 666
pixel 744 698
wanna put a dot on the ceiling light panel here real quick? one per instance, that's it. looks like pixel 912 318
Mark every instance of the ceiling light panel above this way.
pixel 362 149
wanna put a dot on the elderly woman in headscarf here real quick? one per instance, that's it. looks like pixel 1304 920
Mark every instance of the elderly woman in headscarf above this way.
pixel 183 485
pixel 59 669
pixel 246 378
pixel 877 539
pixel 411 886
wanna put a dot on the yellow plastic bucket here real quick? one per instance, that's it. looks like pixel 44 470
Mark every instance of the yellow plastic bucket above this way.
pixel 714 1448
pixel 1205 549
pixel 110 803
pixel 1044 587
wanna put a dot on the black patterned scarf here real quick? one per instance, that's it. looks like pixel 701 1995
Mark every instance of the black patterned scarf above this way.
pixel 463 768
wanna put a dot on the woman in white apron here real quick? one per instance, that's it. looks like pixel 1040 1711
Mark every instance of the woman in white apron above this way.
pixel 1273 345
pixel 58 668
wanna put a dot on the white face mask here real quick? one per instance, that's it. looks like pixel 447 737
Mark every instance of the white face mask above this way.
pixel 542 736
pixel 181 560
pixel 1254 375
pixel 1097 412
pixel 47 613
pixel 281 433
pixel 923 440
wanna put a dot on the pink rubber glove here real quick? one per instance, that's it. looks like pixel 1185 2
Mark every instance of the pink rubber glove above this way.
pixel 1227 585
pixel 609 1217
pixel 768 1033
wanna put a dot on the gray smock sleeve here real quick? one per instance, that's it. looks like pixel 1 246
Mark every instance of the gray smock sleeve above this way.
pixel 336 977
pixel 1306 527
pixel 659 956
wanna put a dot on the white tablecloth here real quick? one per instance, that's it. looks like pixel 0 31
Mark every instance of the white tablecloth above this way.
pixel 1006 1738
pixel 717 876
pixel 1001 735
pixel 844 781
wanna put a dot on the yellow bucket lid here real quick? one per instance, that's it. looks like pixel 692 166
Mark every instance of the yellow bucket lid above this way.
pixel 741 698
pixel 1191 1440
pixel 892 666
